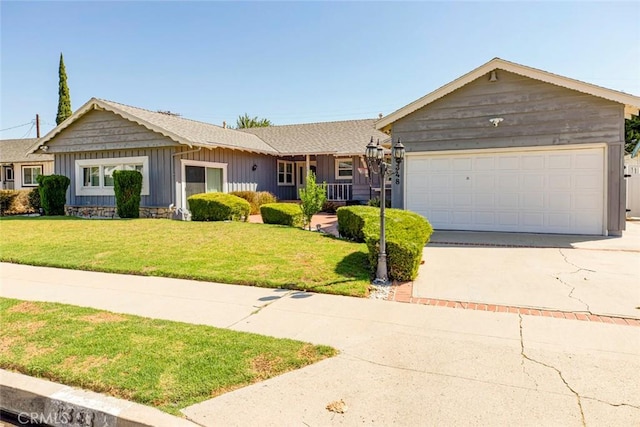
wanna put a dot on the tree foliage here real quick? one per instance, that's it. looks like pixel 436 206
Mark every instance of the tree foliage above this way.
pixel 245 121
pixel 632 133
pixel 64 99
pixel 313 197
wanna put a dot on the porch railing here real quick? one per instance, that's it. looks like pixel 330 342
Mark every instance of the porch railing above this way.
pixel 339 192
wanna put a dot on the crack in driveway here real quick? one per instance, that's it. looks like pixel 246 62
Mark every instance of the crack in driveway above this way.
pixel 524 355
pixel 573 288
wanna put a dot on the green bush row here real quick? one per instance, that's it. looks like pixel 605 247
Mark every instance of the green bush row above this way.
pixel 256 199
pixel 218 207
pixel 406 234
pixel 282 213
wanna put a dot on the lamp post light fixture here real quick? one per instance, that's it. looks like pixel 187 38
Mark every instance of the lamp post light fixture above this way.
pixel 374 154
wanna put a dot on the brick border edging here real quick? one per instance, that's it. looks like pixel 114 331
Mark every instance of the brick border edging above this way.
pixel 404 293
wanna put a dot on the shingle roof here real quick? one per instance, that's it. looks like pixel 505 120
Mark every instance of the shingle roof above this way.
pixel 15 151
pixel 343 137
pixel 198 133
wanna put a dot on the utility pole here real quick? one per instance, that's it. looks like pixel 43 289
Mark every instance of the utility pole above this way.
pixel 38 125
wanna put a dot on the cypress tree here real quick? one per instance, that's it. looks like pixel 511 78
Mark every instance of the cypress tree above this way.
pixel 64 100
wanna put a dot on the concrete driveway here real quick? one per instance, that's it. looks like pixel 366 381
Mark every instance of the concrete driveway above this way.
pixel 599 275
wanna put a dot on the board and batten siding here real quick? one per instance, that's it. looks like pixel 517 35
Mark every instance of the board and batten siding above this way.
pixel 240 173
pixel 160 179
pixel 103 130
pixel 534 113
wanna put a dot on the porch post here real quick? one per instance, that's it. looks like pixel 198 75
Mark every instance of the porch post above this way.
pixel 308 163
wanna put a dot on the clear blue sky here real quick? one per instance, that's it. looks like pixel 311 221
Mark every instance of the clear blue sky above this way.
pixel 294 62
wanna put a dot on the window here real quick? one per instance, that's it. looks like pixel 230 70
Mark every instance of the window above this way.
pixel 94 177
pixel 285 172
pixel 30 175
pixel 344 168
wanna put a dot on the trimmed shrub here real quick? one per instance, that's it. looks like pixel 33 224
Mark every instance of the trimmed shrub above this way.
pixel 53 193
pixel 330 207
pixel 127 185
pixel 34 199
pixel 7 197
pixel 256 199
pixel 376 202
pixel 218 207
pixel 406 235
pixel 282 213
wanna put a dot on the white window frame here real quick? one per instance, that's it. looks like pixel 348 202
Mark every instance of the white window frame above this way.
pixel 103 190
pixel 337 169
pixel 287 183
pixel 24 168
pixel 183 182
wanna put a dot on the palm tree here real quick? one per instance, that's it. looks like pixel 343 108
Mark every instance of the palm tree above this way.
pixel 245 121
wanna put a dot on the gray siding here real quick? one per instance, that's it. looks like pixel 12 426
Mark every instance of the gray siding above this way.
pixel 103 130
pixel 160 179
pixel 535 114
pixel 240 176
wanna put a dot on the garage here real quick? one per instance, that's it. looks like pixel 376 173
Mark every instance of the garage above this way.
pixel 506 147
pixel 537 190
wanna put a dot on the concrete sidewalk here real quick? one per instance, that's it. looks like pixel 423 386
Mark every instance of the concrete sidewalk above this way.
pixel 398 364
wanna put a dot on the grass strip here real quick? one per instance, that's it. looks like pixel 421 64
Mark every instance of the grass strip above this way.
pixel 165 364
pixel 226 252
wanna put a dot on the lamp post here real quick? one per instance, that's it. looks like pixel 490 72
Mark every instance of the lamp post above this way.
pixel 374 154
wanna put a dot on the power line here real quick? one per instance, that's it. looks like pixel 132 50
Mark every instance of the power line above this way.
pixel 30 129
pixel 19 126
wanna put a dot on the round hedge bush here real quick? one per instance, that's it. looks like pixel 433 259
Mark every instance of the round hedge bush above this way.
pixel 218 207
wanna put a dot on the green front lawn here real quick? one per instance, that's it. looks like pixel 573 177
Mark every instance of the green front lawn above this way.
pixel 227 252
pixel 169 365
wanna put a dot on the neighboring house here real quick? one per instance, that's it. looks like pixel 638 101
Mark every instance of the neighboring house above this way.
pixel 511 148
pixel 19 169
pixel 179 157
pixel 632 174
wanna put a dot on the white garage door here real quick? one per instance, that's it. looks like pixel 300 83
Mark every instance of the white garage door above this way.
pixel 546 191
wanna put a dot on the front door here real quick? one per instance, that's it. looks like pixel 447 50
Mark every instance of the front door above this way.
pixel 301 175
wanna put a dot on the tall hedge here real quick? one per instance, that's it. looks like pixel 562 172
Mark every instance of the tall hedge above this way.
pixel 53 193
pixel 406 234
pixel 127 185
pixel 218 207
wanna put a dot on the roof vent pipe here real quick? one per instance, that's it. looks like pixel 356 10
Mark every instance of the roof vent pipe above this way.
pixel 224 124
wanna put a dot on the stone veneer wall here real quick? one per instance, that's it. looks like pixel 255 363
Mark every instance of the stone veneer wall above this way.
pixel 110 212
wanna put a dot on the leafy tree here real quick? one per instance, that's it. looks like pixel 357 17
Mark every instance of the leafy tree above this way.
pixel 632 133
pixel 64 99
pixel 245 121
pixel 313 197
